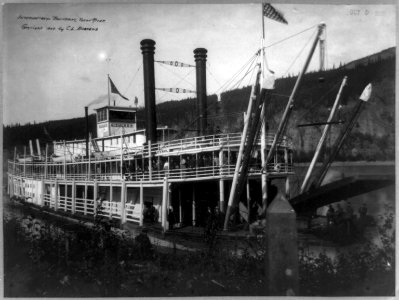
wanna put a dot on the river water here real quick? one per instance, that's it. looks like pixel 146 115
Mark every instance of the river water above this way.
pixel 376 201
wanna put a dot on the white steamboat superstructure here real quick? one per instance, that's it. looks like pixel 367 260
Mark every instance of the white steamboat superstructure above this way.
pixel 125 172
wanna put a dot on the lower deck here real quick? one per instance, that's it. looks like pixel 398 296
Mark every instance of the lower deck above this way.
pixel 168 204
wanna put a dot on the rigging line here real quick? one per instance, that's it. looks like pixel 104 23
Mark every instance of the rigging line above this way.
pixel 237 85
pixel 228 82
pixel 291 36
pixel 164 94
pixel 239 81
pixel 317 102
pixel 243 77
pixel 300 52
pixel 238 72
pixel 182 78
pixel 214 77
pixel 134 76
pixel 280 95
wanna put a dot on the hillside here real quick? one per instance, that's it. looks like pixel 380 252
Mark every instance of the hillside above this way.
pixel 372 139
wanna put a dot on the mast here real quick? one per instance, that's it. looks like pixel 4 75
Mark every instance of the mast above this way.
pixel 364 97
pixel 87 130
pixel 290 104
pixel 109 92
pixel 323 137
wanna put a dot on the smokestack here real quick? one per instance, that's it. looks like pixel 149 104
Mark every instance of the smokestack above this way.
pixel 87 130
pixel 200 66
pixel 147 48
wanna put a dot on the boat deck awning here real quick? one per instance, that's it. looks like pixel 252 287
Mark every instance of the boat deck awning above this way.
pixel 341 189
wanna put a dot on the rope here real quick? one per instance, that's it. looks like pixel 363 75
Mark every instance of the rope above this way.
pixel 243 77
pixel 208 69
pixel 134 76
pixel 182 78
pixel 300 52
pixel 289 37
pixel 228 82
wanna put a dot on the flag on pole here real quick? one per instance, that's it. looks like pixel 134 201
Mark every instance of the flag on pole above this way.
pixel 114 90
pixel 272 13
pixel 136 101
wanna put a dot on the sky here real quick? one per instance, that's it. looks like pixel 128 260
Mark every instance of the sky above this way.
pixel 52 74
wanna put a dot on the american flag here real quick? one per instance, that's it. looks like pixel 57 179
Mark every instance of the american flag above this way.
pixel 272 13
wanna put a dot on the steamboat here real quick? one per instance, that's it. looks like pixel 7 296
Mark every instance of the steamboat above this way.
pixel 147 176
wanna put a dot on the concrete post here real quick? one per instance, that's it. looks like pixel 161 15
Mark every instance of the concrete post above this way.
pixel 281 249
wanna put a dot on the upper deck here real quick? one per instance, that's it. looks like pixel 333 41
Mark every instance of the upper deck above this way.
pixel 190 159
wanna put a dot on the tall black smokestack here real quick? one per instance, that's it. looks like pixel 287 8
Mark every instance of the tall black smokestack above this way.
pixel 200 64
pixel 87 130
pixel 147 48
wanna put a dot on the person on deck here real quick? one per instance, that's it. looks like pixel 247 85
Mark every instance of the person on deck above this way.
pixel 330 215
pixel 171 218
pixel 363 210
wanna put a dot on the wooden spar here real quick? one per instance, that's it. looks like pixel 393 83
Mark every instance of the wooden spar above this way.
pixel 340 140
pixel 290 104
pixel 320 123
pixel 121 161
pixel 24 161
pixel 45 162
pixel 242 145
pixel 109 94
pixel 87 130
pixel 31 148
pixel 89 166
pixel 250 140
pixel 15 160
pixel 38 149
pixel 323 137
pixel 64 160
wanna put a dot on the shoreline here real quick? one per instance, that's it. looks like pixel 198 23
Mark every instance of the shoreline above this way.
pixel 351 163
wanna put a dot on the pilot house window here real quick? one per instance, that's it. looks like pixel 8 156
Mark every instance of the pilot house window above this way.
pixel 101 115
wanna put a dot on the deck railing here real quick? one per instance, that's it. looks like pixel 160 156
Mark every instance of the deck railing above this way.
pixel 179 174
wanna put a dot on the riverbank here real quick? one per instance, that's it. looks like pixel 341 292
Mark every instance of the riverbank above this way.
pixel 78 261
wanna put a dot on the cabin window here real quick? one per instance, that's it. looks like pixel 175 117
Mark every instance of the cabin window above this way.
pixel 117 116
